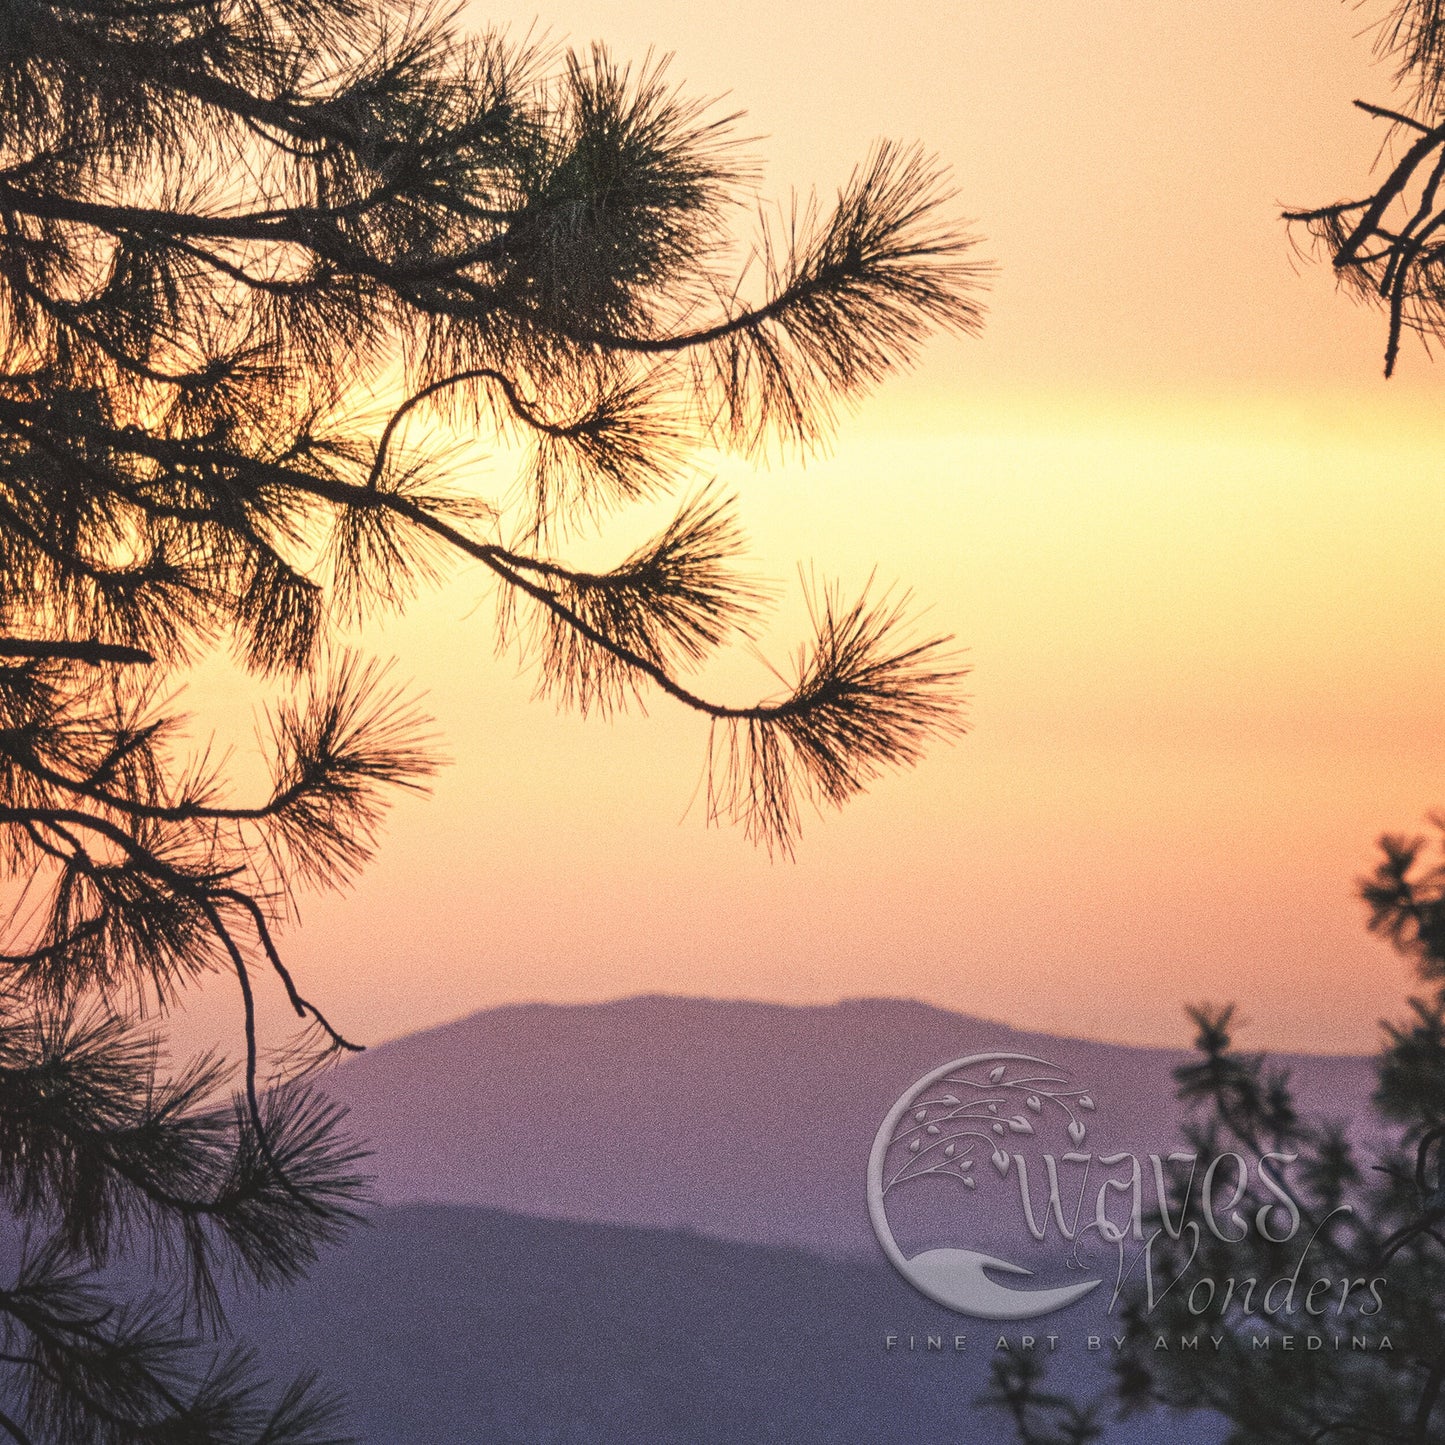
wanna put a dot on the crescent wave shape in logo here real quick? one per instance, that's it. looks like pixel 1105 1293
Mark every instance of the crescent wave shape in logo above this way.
pixel 959 1279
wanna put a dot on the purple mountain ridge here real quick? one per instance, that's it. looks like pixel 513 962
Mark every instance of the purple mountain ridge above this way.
pixel 745 1121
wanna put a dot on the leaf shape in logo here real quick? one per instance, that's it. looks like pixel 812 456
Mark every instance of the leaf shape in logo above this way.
pixel 913 1147
pixel 1085 1102
pixel 920 1114
pixel 970 1181
pixel 933 1128
pixel 1020 1125
pixel 1000 1161
pixel 949 1099
pixel 993 1108
pixel 998 1128
pixel 948 1151
pixel 996 1074
pixel 1076 1131
pixel 1033 1103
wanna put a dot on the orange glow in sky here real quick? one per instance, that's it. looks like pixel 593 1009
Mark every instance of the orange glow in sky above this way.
pixel 1189 536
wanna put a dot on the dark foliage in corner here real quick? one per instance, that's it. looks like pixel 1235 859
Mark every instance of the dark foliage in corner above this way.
pixel 1370 1222
pixel 256 256
pixel 1388 248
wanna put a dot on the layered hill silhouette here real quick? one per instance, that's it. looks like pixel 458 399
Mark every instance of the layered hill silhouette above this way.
pixel 645 1223
pixel 744 1121
pixel 465 1326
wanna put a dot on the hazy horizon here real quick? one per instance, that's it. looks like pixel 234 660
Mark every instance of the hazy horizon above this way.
pixel 1182 1045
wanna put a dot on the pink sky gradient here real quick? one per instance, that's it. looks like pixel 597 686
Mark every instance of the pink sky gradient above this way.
pixel 1188 535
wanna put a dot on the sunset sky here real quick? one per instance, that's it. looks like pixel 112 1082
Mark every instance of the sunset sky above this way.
pixel 1188 535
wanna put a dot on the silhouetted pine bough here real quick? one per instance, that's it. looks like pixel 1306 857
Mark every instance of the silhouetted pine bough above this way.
pixel 1039 1416
pixel 1371 1221
pixel 250 251
pixel 1389 247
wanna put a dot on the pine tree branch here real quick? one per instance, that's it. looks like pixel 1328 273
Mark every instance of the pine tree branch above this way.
pixel 34 649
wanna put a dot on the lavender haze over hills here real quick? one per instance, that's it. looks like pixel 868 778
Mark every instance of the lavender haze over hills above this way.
pixel 745 1121
pixel 447 1325
pixel 698 1161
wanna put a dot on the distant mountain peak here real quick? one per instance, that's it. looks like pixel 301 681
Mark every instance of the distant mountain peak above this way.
pixel 743 1119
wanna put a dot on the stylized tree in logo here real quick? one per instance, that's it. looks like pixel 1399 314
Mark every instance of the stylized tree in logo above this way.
pixel 939 1128
pixel 947 1123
